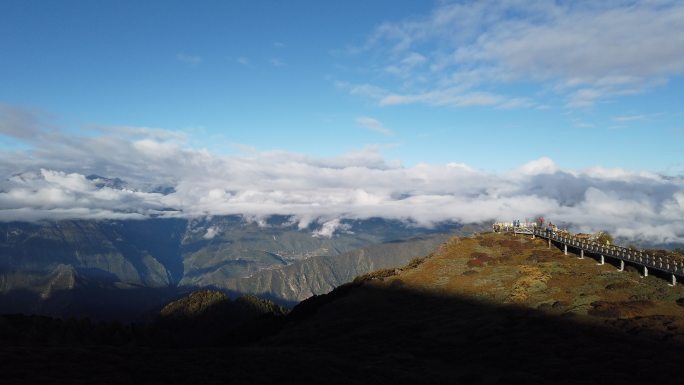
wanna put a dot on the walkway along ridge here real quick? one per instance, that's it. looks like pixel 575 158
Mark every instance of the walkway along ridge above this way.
pixel 580 246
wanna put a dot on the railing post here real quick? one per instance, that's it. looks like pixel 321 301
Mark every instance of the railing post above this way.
pixel 581 254
pixel 645 271
pixel 603 260
pixel 549 243
pixel 674 280
pixel 622 265
pixel 565 249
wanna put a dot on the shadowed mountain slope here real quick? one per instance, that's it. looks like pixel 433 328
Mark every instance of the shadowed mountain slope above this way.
pixel 490 309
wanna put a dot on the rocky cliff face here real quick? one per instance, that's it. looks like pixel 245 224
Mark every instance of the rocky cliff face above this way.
pixel 320 275
pixel 107 251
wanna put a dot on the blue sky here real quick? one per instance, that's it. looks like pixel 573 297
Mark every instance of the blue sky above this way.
pixel 304 76
pixel 413 110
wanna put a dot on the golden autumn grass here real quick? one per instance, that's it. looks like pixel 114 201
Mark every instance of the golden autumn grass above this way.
pixel 517 270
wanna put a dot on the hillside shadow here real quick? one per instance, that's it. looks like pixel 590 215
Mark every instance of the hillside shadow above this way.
pixel 370 334
pixel 134 304
pixel 106 302
pixel 401 332
pixel 160 238
pixel 289 304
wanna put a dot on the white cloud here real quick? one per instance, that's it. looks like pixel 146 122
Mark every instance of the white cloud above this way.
pixel 243 60
pixel 156 149
pixel 584 97
pixel 211 232
pixel 22 123
pixel 373 125
pixel 138 132
pixel 540 166
pixel 49 181
pixel 189 59
pixel 50 194
pixel 628 118
pixel 404 67
pixel 364 90
pixel 277 62
pixel 329 228
pixel 584 51
pixel 517 103
pixel 448 97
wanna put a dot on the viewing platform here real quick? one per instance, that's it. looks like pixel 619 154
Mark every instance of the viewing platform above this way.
pixel 582 247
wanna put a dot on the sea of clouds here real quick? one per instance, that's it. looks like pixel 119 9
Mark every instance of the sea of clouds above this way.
pixel 46 179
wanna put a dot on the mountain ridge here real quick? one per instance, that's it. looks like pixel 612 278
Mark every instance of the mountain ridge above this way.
pixel 69 259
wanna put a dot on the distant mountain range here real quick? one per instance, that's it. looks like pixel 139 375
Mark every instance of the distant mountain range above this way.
pixel 122 269
pixel 318 275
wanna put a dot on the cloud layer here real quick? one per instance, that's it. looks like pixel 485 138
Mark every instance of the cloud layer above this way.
pixel 583 51
pixel 50 181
